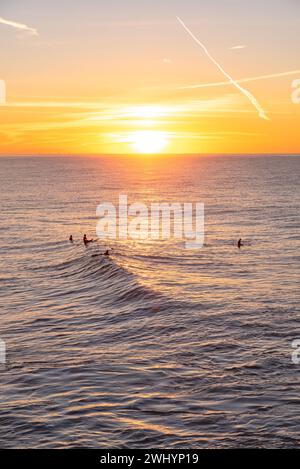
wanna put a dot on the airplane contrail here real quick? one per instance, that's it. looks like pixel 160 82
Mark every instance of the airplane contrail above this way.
pixel 241 80
pixel 19 26
pixel 261 112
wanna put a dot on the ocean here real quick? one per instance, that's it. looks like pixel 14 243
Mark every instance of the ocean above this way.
pixel 156 346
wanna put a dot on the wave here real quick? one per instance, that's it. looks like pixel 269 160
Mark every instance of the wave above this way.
pixel 100 279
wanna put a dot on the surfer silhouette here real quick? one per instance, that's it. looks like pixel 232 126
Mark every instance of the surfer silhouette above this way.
pixel 71 239
pixel 106 253
pixel 240 243
pixel 87 241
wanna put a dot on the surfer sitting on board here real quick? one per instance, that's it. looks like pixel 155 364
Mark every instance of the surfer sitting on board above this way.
pixel 240 243
pixel 87 241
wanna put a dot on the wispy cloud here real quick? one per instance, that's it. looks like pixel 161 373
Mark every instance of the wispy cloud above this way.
pixel 19 26
pixel 261 112
pixel 89 116
pixel 239 46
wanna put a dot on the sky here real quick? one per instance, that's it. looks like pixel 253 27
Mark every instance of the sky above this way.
pixel 98 77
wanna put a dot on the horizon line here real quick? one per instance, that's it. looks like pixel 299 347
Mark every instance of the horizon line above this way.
pixel 147 155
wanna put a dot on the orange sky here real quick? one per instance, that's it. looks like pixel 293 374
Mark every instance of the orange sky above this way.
pixel 87 81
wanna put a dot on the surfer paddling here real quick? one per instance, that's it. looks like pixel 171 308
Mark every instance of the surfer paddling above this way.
pixel 106 253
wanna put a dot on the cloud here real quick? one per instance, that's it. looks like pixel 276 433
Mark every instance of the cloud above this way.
pixel 241 46
pixel 19 26
pixel 261 112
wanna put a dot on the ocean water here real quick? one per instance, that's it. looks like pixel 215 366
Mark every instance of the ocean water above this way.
pixel 156 346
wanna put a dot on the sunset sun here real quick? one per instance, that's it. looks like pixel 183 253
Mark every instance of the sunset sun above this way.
pixel 149 141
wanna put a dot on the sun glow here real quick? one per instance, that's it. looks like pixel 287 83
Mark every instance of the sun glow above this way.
pixel 148 112
pixel 149 141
